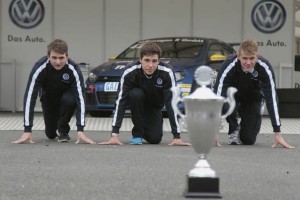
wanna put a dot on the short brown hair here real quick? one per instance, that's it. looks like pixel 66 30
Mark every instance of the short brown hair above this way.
pixel 58 46
pixel 150 48
pixel 249 46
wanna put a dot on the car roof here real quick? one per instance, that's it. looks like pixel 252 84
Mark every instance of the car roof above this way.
pixel 180 37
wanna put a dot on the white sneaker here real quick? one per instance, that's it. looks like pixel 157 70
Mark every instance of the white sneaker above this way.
pixel 234 138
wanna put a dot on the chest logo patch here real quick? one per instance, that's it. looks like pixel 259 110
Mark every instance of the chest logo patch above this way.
pixel 66 76
pixel 159 81
pixel 255 74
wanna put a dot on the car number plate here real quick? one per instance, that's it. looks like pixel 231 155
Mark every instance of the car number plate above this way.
pixel 111 86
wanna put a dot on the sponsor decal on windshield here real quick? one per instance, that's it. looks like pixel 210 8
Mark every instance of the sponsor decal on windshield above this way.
pixel 217 57
pixel 196 40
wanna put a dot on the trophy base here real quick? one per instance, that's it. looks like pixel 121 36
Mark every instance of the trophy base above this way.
pixel 202 187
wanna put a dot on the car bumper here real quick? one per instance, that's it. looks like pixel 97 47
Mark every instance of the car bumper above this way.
pixel 97 99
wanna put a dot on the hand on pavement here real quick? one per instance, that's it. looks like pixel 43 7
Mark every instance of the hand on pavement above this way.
pixel 217 141
pixel 25 137
pixel 280 141
pixel 112 140
pixel 83 137
pixel 179 142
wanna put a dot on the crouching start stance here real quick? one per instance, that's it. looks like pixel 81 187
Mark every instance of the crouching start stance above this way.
pixel 145 88
pixel 59 82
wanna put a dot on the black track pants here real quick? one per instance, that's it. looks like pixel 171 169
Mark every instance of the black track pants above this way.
pixel 250 114
pixel 57 115
pixel 147 121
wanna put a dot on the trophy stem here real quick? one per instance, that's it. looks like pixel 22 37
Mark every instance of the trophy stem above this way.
pixel 202 181
pixel 202 156
pixel 202 168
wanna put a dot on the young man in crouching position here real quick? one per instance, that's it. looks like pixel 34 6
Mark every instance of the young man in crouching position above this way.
pixel 60 83
pixel 145 88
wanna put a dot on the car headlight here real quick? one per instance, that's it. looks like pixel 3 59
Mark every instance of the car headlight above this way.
pixel 92 77
pixel 179 75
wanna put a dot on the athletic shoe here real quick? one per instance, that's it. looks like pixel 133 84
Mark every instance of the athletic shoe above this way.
pixel 234 138
pixel 136 140
pixel 63 137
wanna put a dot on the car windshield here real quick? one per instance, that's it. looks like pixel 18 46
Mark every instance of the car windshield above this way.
pixel 171 48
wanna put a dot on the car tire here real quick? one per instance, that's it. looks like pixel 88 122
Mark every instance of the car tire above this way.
pixel 100 113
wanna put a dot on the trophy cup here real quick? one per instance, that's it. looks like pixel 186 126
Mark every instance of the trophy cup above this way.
pixel 202 120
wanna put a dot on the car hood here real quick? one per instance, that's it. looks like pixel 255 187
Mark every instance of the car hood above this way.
pixel 116 67
pixel 113 68
pixel 180 64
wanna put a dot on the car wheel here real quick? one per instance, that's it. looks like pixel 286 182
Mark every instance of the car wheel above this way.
pixel 100 113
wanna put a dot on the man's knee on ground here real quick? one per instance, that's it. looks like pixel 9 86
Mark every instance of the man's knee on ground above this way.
pixel 51 135
pixel 68 100
pixel 248 141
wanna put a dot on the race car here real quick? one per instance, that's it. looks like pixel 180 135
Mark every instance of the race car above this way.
pixel 185 54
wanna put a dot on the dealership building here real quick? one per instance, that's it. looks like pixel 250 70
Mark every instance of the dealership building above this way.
pixel 98 29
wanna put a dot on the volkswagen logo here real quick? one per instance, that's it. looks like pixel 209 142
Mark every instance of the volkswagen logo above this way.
pixel 26 13
pixel 268 16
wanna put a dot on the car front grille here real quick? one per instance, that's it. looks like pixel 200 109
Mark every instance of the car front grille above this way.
pixel 106 97
pixel 90 98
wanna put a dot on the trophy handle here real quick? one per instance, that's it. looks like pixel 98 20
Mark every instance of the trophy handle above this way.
pixel 175 100
pixel 230 99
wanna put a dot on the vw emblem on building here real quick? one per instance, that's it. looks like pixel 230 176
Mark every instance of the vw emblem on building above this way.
pixel 26 13
pixel 268 16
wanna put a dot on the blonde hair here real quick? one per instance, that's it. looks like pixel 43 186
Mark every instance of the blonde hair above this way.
pixel 249 46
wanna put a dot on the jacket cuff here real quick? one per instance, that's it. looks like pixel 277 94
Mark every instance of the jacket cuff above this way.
pixel 176 135
pixel 79 128
pixel 27 129
pixel 115 130
pixel 276 129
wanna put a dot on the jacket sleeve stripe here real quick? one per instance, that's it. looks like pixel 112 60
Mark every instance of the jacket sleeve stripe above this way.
pixel 273 90
pixel 226 71
pixel 171 74
pixel 30 92
pixel 127 71
pixel 173 83
pixel 80 95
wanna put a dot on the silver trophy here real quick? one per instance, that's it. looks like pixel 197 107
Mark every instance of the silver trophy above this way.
pixel 202 120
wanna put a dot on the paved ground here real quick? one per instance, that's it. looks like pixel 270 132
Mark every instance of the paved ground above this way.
pixel 14 121
pixel 51 170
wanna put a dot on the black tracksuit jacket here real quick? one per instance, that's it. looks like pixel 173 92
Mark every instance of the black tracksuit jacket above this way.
pixel 157 92
pixel 52 83
pixel 255 86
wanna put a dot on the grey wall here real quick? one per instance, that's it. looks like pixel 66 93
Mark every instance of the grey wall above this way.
pixel 97 29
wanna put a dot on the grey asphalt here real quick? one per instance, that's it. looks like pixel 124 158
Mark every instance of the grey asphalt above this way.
pixel 51 170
